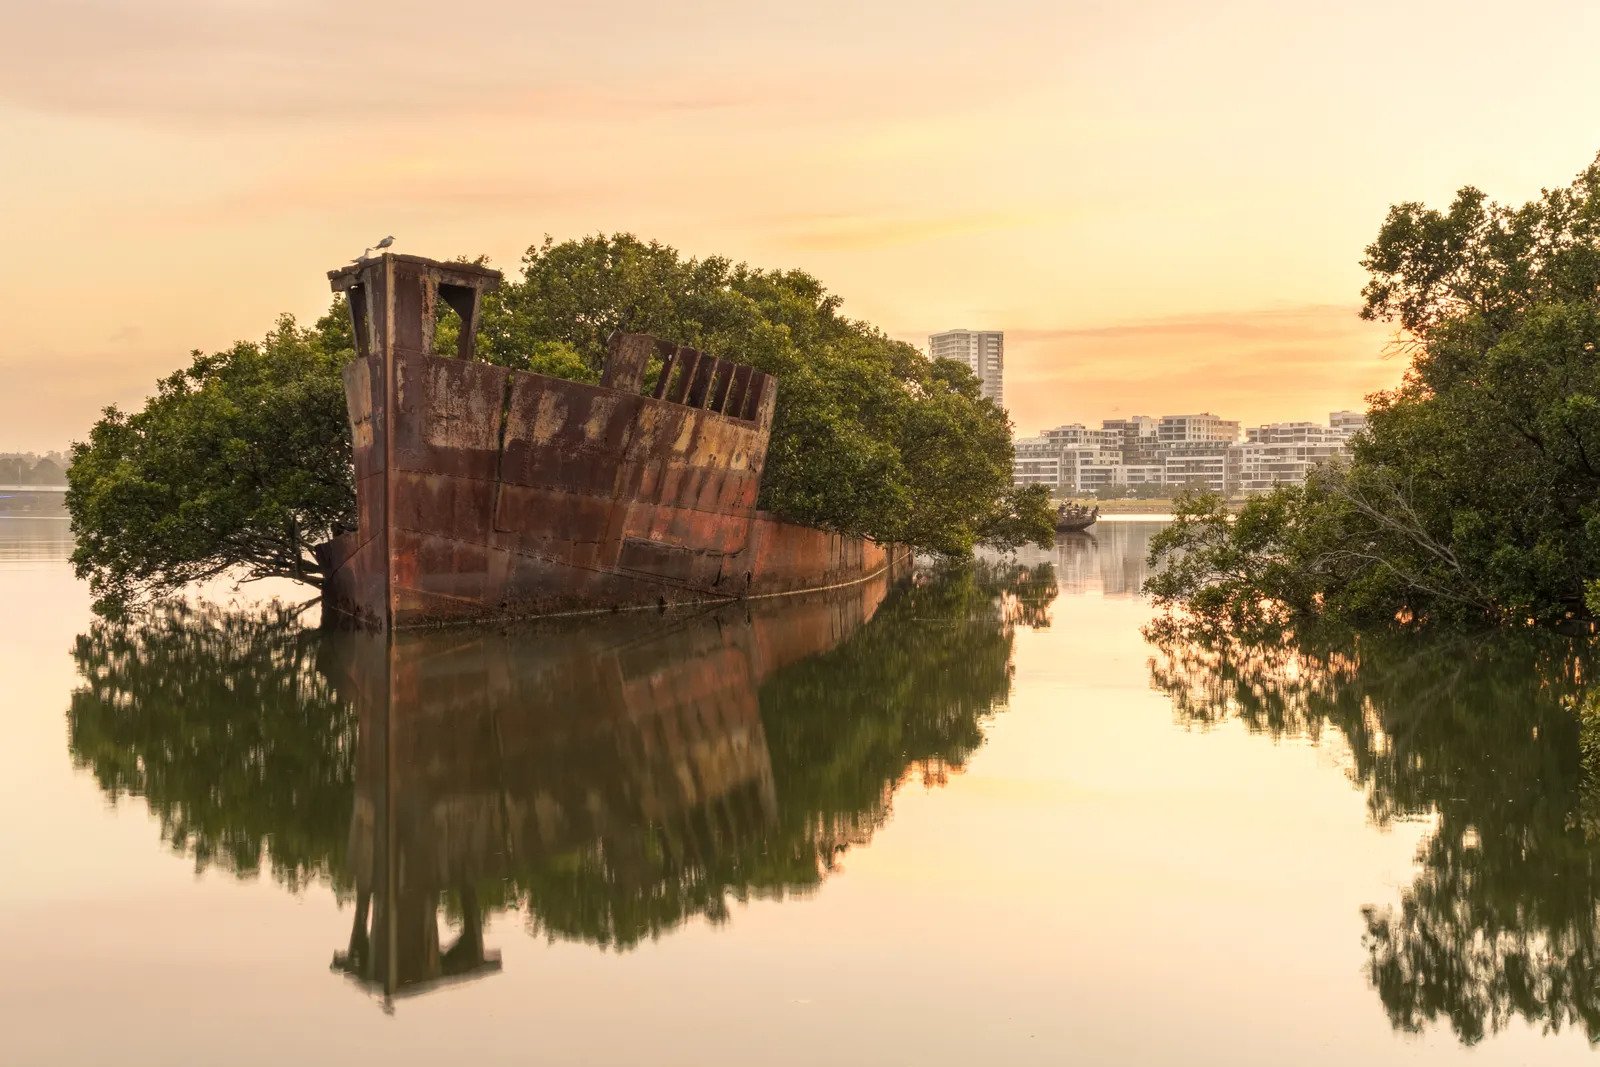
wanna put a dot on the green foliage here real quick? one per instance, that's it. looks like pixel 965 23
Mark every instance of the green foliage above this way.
pixel 1025 516
pixel 1474 494
pixel 869 437
pixel 1484 262
pixel 239 462
pixel 1230 574
pixel 1588 713
pixel 1475 734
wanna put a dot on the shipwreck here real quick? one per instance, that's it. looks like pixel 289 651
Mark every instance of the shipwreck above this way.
pixel 489 493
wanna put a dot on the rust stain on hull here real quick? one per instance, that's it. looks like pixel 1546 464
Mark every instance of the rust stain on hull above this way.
pixel 486 493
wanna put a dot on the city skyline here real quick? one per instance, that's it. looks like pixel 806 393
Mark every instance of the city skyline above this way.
pixel 1154 200
pixel 1243 426
pixel 1181 451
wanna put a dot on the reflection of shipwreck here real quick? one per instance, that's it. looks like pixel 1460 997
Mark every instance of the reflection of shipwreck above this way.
pixel 632 747
pixel 484 492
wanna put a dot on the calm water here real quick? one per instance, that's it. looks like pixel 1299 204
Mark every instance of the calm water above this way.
pixel 977 819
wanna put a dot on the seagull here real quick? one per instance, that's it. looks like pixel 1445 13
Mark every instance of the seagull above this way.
pixel 363 257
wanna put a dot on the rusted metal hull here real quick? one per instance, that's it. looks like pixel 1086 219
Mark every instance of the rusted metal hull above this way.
pixel 487 493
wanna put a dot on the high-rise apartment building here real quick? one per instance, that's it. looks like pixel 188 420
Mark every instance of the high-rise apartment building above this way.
pixel 982 350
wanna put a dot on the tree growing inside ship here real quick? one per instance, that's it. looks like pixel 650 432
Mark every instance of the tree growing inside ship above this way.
pixel 240 463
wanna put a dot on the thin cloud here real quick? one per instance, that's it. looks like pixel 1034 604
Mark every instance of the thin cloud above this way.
pixel 1262 365
pixel 442 194
pixel 197 62
pixel 851 233
pixel 1255 324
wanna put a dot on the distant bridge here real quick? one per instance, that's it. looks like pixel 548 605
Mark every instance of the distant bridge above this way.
pixel 7 490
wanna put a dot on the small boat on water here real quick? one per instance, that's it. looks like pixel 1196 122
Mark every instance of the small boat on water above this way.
pixel 1071 518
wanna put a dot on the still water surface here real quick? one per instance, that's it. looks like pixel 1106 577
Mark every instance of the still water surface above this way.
pixel 974 819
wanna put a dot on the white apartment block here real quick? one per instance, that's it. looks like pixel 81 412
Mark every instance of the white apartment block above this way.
pixel 1036 461
pixel 1283 453
pixel 1085 470
pixel 1289 433
pixel 1143 474
pixel 1183 429
pixel 1348 423
pixel 1209 465
pixel 1077 435
pixel 1136 425
pixel 1181 452
pixel 1137 436
pixel 1139 429
pixel 982 350
pixel 1263 467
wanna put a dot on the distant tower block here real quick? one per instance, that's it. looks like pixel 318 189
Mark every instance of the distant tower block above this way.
pixel 982 350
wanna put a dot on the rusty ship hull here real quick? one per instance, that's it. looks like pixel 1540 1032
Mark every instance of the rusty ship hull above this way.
pixel 489 493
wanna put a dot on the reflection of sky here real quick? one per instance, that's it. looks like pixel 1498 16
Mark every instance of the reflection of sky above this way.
pixel 34 537
pixel 1108 559
pixel 1099 886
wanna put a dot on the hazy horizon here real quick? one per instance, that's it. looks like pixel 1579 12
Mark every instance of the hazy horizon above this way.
pixel 1163 206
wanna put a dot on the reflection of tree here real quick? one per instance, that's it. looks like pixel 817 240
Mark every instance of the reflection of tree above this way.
pixel 1109 559
pixel 906 694
pixel 612 778
pixel 1025 592
pixel 220 721
pixel 909 694
pixel 1501 921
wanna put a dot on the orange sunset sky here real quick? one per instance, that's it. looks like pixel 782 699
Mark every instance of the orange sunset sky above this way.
pixel 1163 204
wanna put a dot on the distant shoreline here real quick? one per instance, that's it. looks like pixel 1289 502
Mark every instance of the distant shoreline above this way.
pixel 1157 506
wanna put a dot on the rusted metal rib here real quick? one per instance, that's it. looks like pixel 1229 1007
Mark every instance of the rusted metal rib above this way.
pixel 669 362
pixel 719 395
pixel 752 396
pixel 738 386
pixel 689 362
pixel 700 387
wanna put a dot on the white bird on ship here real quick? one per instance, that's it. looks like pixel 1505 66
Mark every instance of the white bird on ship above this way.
pixel 366 255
